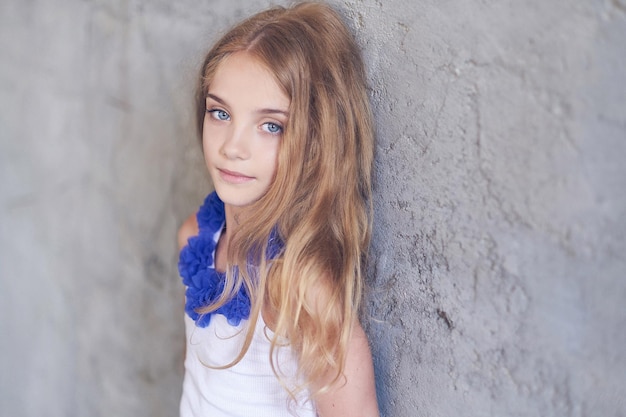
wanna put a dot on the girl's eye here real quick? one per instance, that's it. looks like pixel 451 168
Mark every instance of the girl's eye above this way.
pixel 272 128
pixel 219 114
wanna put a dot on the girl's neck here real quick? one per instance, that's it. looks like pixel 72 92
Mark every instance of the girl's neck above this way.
pixel 233 217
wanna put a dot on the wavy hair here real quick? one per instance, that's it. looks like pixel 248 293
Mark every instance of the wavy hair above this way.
pixel 319 201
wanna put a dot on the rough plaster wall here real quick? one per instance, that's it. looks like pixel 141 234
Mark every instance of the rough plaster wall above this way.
pixel 498 267
pixel 500 233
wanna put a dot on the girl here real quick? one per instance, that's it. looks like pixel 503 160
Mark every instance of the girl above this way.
pixel 273 259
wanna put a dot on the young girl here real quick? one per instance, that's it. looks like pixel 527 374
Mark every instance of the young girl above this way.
pixel 273 260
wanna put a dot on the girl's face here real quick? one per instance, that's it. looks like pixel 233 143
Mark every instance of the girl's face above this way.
pixel 246 112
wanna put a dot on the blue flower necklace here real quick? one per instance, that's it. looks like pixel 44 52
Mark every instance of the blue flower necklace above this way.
pixel 196 267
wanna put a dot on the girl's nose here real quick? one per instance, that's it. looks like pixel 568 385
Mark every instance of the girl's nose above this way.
pixel 236 144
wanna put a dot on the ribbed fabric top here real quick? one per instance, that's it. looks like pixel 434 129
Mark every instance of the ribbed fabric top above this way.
pixel 250 388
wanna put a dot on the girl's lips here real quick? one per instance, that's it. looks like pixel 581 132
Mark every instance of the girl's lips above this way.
pixel 234 177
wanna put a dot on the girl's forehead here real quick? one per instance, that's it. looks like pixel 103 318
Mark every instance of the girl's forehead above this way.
pixel 243 78
pixel 237 62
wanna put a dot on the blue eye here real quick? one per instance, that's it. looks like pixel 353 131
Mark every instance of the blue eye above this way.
pixel 273 128
pixel 219 114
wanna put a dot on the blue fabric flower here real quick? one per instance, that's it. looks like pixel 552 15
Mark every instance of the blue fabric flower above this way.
pixel 195 265
pixel 211 213
pixel 196 255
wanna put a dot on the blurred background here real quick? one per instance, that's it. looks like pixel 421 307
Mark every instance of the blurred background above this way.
pixel 497 274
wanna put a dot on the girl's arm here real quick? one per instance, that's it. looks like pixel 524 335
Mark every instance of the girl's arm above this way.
pixel 188 229
pixel 354 395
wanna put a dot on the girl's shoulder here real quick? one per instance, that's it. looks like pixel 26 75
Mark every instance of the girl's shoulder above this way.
pixel 188 229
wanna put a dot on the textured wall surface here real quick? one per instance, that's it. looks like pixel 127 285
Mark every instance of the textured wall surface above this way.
pixel 498 267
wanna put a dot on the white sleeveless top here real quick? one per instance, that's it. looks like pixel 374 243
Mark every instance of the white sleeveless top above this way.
pixel 250 388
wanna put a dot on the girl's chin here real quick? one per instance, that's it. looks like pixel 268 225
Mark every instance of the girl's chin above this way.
pixel 236 198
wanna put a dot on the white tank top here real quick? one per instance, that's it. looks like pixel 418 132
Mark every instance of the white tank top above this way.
pixel 250 388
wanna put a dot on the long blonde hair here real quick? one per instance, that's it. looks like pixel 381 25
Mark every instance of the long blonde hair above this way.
pixel 320 199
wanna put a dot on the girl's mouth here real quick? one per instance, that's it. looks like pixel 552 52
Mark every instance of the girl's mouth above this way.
pixel 233 176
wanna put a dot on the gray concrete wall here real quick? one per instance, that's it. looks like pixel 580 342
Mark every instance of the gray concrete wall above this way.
pixel 498 268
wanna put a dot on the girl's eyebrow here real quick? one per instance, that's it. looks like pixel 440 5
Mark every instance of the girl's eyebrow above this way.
pixel 216 98
pixel 273 111
pixel 261 111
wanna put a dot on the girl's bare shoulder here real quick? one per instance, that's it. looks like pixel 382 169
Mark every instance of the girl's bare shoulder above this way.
pixel 188 229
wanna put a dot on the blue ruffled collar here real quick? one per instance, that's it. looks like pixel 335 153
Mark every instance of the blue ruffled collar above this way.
pixel 196 267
